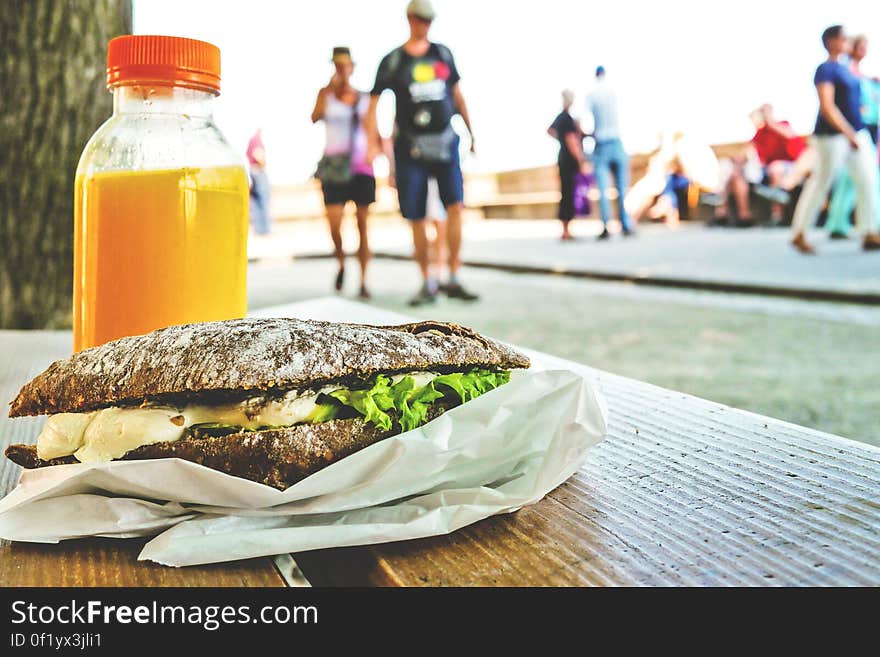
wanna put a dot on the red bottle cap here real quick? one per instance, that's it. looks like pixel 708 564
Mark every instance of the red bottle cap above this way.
pixel 163 60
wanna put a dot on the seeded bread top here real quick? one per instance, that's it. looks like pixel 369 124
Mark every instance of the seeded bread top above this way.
pixel 249 356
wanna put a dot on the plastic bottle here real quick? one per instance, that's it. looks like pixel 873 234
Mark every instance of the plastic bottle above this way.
pixel 161 198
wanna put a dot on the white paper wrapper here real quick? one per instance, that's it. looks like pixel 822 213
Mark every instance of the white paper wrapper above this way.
pixel 495 454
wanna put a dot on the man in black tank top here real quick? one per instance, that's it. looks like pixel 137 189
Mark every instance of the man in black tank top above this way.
pixel 424 79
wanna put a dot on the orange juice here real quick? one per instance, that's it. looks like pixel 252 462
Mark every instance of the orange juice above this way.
pixel 157 248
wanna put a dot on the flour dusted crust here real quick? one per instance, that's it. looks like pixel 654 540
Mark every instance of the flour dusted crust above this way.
pixel 244 356
pixel 275 457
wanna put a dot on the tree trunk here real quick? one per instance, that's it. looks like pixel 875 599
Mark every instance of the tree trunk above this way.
pixel 52 98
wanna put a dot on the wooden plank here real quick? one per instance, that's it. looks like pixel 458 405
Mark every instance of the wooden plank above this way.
pixel 683 492
pixel 540 545
pixel 92 562
pixel 702 496
pixel 113 562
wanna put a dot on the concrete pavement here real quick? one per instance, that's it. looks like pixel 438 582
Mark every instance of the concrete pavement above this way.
pixel 756 260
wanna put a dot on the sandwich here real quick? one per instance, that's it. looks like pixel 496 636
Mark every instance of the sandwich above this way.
pixel 269 400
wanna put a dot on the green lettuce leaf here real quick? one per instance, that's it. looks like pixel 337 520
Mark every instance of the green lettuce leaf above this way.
pixel 410 403
pixel 364 402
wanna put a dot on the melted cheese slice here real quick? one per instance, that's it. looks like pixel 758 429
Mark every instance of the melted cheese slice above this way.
pixel 110 433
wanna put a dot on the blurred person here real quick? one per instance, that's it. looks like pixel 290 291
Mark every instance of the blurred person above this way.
pixel 841 140
pixel 679 162
pixel 425 81
pixel 783 156
pixel 345 173
pixel 570 161
pixel 435 216
pixel 843 196
pixel 259 184
pixel 734 181
pixel 666 207
pixel 608 156
pixel 776 161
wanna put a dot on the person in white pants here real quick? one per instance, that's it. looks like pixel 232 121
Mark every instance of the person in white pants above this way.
pixel 840 139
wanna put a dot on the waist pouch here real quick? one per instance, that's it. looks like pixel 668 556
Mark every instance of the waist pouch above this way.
pixel 431 146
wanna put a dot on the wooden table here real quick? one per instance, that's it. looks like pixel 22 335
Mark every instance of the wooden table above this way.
pixel 683 492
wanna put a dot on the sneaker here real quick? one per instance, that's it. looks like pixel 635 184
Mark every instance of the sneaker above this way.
pixel 604 235
pixel 423 296
pixel 871 242
pixel 340 279
pixel 773 194
pixel 456 291
pixel 837 235
pixel 629 232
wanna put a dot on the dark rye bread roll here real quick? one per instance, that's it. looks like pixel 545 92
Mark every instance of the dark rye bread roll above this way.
pixel 275 457
pixel 239 357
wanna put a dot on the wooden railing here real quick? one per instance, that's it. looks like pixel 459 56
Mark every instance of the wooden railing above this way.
pixel 531 193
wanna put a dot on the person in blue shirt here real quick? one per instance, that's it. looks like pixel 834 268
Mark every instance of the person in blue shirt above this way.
pixel 843 198
pixel 841 140
pixel 609 155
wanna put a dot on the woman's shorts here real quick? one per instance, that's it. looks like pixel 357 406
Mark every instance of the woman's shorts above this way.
pixel 361 189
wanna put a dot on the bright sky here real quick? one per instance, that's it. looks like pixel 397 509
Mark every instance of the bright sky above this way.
pixel 686 64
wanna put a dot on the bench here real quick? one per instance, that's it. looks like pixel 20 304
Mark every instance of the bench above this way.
pixel 533 193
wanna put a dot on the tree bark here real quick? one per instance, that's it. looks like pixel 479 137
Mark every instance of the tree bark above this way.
pixel 52 98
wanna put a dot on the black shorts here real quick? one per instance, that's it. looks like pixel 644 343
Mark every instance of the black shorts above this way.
pixel 361 189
